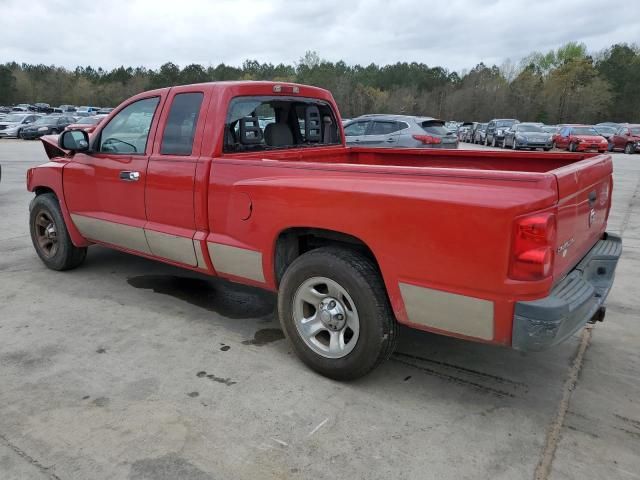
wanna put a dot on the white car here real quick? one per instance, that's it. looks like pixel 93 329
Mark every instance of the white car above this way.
pixel 13 123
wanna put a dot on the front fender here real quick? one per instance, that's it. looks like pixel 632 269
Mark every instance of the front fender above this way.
pixel 48 178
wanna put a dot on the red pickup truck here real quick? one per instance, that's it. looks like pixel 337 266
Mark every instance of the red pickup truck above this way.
pixel 252 181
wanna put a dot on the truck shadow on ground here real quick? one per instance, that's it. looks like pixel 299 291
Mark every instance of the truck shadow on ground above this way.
pixel 485 369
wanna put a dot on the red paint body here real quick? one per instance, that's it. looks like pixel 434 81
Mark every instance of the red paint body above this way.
pixel 568 136
pixel 627 134
pixel 441 219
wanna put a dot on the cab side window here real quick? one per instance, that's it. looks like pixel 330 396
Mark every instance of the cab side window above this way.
pixel 181 124
pixel 128 131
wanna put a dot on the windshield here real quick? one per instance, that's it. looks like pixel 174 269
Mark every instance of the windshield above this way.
pixel 435 127
pixel 609 130
pixel 13 118
pixel 635 131
pixel 89 120
pixel 505 123
pixel 530 128
pixel 45 120
pixel 584 131
pixel 549 129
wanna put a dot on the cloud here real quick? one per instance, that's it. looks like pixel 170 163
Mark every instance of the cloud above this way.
pixel 455 34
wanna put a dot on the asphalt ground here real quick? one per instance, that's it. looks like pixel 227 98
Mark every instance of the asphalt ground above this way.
pixel 130 369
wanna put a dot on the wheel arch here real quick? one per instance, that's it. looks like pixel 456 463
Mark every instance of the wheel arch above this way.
pixel 292 242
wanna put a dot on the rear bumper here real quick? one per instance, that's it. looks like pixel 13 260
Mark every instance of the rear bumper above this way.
pixel 540 324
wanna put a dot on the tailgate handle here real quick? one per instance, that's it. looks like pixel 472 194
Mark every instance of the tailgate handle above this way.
pixel 592 198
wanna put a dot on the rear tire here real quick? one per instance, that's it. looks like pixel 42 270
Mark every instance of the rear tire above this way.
pixel 50 236
pixel 351 282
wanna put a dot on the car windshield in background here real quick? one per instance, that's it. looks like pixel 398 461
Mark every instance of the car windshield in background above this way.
pixel 609 130
pixel 89 120
pixel 549 129
pixel 13 118
pixel 505 123
pixel 530 128
pixel 584 131
pixel 45 120
pixel 635 131
pixel 435 128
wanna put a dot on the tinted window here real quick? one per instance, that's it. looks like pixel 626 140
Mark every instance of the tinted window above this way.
pixel 384 128
pixel 356 128
pixel 635 131
pixel 528 128
pixel 181 124
pixel 128 131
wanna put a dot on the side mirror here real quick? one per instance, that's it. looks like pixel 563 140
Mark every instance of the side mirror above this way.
pixel 74 140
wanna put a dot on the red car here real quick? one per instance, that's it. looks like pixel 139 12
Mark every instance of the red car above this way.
pixel 253 182
pixel 627 139
pixel 580 138
pixel 88 124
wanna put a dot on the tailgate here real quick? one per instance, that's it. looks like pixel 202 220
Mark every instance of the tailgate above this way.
pixel 584 199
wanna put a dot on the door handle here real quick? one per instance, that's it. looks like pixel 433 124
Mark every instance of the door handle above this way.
pixel 390 140
pixel 129 176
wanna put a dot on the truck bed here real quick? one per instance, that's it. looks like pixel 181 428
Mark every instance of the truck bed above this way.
pixel 506 161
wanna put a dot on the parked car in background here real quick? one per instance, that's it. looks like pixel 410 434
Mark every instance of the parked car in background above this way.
pixel 12 124
pixel 43 107
pixel 23 107
pixel 606 131
pixel 47 125
pixel 104 111
pixel 88 124
pixel 580 138
pixel 608 124
pixel 399 131
pixel 67 108
pixel 5 109
pixel 527 136
pixel 551 129
pixel 85 111
pixel 495 130
pixel 480 133
pixel 627 139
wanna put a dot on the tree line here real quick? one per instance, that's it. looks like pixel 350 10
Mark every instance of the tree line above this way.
pixel 568 84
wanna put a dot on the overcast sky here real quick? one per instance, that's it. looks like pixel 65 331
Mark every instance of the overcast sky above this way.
pixel 455 34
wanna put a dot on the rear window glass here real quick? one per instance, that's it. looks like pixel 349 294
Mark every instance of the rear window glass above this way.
pixel 276 122
pixel 181 124
pixel 434 127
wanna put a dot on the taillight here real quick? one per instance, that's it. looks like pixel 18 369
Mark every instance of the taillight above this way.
pixel 428 139
pixel 532 253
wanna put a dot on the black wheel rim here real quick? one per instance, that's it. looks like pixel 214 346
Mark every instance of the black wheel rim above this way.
pixel 46 234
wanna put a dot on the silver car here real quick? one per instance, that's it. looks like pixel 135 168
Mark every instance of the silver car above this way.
pixel 13 123
pixel 527 135
pixel 399 131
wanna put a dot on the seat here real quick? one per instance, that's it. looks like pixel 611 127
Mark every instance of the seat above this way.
pixel 278 135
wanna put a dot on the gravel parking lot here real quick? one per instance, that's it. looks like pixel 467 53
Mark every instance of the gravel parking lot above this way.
pixel 126 368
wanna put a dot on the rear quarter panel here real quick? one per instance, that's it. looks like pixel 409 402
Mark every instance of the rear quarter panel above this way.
pixel 439 230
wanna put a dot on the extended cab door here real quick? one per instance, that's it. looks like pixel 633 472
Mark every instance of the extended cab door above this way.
pixel 104 188
pixel 170 189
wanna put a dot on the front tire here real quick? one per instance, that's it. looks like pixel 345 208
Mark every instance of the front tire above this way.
pixel 572 147
pixel 629 149
pixel 334 310
pixel 50 236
